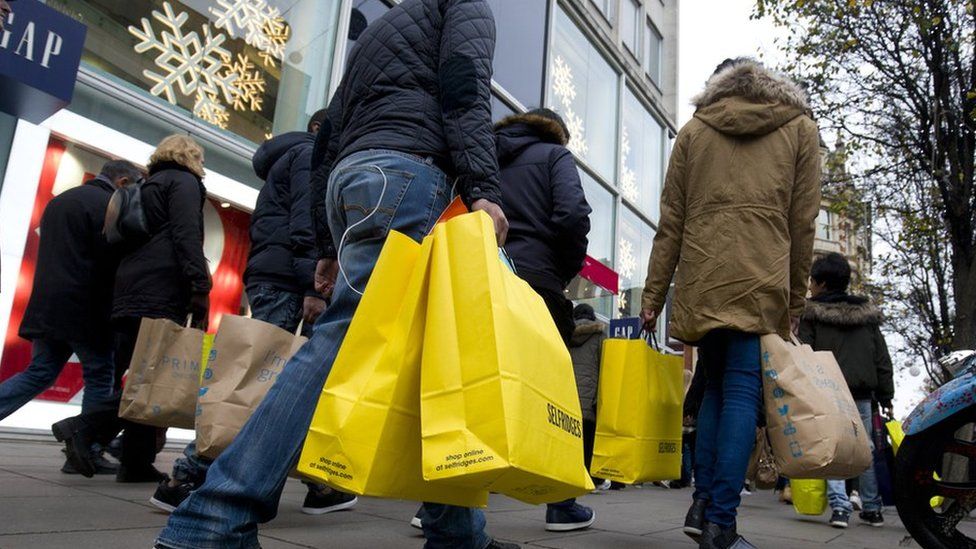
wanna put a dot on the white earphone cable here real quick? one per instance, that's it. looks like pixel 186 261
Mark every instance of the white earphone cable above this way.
pixel 342 241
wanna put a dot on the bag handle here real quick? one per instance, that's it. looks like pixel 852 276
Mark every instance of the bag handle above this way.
pixel 301 324
pixel 650 336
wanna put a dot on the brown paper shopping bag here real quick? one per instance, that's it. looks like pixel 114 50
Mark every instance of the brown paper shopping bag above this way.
pixel 813 424
pixel 164 375
pixel 245 360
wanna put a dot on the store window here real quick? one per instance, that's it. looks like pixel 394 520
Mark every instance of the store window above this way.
pixel 653 45
pixel 630 26
pixel 633 253
pixel 641 157
pixel 520 48
pixel 606 7
pixel 600 246
pixel 583 88
pixel 252 69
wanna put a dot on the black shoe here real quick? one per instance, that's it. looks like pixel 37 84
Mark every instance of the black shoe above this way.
pixel 322 500
pixel 695 519
pixel 716 537
pixel 569 519
pixel 77 441
pixel 495 544
pixel 168 497
pixel 614 485
pixel 872 518
pixel 840 519
pixel 141 473
pixel 102 466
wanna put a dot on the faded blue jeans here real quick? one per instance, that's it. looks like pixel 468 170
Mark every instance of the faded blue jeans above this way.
pixel 867 482
pixel 48 357
pixel 244 484
pixel 726 421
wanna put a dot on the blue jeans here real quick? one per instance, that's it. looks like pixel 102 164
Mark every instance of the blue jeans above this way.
pixel 726 421
pixel 244 484
pixel 868 482
pixel 48 358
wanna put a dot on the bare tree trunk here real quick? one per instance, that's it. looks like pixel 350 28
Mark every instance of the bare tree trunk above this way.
pixel 964 326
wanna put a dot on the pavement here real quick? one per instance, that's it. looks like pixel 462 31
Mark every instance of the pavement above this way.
pixel 42 508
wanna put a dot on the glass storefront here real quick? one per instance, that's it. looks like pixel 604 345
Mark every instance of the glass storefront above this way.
pixel 520 48
pixel 641 156
pixel 228 63
pixel 634 244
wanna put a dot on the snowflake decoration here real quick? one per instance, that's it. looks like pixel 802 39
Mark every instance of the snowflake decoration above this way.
pixel 278 33
pixel 628 184
pixel 209 109
pixel 188 63
pixel 249 19
pixel 250 84
pixel 562 81
pixel 628 263
pixel 576 130
pixel 623 301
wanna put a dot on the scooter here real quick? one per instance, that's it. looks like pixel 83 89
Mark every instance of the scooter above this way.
pixel 935 468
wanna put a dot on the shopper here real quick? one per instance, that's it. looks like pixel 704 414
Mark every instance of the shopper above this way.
pixel 410 118
pixel 849 326
pixel 586 349
pixel 737 225
pixel 164 277
pixel 278 281
pixel 71 298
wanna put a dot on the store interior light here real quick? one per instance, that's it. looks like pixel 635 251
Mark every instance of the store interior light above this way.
pixel 225 204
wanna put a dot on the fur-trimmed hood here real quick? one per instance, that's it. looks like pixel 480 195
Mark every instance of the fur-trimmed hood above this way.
pixel 586 329
pixel 749 99
pixel 514 133
pixel 843 310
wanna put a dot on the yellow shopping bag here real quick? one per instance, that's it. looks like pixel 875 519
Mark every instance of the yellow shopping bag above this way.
pixel 499 405
pixel 365 434
pixel 809 496
pixel 639 409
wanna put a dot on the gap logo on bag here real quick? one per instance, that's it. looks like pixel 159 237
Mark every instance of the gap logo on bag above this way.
pixel 625 328
pixel 564 421
pixel 789 430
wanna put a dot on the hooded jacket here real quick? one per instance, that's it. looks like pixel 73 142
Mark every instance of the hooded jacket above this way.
pixel 738 209
pixel 282 240
pixel 543 197
pixel 850 327
pixel 418 81
pixel 585 347
pixel 157 278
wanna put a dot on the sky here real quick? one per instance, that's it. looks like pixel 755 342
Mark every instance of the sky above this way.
pixel 713 30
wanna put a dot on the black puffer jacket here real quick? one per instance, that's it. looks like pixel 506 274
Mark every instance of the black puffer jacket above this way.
pixel 156 279
pixel 282 240
pixel 418 81
pixel 547 212
pixel 850 327
pixel 71 298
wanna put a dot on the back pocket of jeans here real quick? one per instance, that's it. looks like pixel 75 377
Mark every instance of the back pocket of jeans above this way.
pixel 369 197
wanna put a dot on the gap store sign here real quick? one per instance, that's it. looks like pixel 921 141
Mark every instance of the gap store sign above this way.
pixel 40 50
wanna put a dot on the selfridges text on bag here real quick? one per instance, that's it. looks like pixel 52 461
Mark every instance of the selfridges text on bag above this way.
pixel 365 435
pixel 164 375
pixel 639 413
pixel 246 357
pixel 499 405
pixel 813 424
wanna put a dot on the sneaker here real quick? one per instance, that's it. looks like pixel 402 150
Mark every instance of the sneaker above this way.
pixel 856 500
pixel 418 520
pixel 141 473
pixel 716 537
pixel 840 519
pixel 320 501
pixel 745 491
pixel 577 517
pixel 169 497
pixel 495 544
pixel 601 487
pixel 872 518
pixel 614 485
pixel 695 519
pixel 102 465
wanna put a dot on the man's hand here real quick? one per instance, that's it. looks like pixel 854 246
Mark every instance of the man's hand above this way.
pixel 199 310
pixel 648 319
pixel 795 325
pixel 312 308
pixel 497 216
pixel 325 276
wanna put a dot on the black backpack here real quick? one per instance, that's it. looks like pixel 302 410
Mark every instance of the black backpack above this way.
pixel 125 220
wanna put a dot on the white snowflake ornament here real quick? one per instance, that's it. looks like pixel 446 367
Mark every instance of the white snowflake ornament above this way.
pixel 248 93
pixel 254 21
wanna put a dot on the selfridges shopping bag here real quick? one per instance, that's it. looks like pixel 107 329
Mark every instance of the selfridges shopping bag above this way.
pixel 246 357
pixel 639 414
pixel 813 424
pixel 365 434
pixel 499 405
pixel 809 495
pixel 164 375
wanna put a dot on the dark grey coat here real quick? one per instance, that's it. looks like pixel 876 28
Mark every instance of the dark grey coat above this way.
pixel 586 347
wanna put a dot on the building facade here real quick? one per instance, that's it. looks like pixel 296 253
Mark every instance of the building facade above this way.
pixel 231 73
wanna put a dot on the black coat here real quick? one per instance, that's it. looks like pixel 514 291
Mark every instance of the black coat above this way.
pixel 282 241
pixel 156 279
pixel 543 199
pixel 850 327
pixel 417 81
pixel 71 298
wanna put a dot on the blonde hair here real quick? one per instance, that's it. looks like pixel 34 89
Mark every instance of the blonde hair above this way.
pixel 180 149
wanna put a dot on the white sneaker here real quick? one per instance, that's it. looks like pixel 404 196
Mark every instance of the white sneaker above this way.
pixel 745 491
pixel 856 500
pixel 601 487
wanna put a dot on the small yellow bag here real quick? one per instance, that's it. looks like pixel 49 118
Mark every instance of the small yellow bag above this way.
pixel 499 405
pixel 638 419
pixel 896 434
pixel 365 434
pixel 809 496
